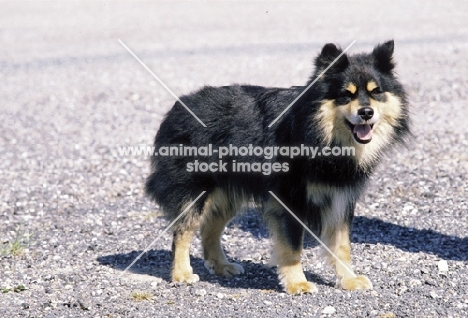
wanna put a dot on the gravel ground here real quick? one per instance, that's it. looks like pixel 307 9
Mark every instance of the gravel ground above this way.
pixel 72 210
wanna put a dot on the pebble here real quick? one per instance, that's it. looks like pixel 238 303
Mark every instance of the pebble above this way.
pixel 415 282
pixel 442 265
pixel 329 310
pixel 155 283
pixel 402 290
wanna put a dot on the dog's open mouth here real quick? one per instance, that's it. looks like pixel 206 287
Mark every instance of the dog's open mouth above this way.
pixel 362 132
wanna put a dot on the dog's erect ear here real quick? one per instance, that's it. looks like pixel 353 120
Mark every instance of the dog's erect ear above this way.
pixel 383 54
pixel 329 53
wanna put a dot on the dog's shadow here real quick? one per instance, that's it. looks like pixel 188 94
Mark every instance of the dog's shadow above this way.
pixel 374 231
pixel 157 263
pixel 257 276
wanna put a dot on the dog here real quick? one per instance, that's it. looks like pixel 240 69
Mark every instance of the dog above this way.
pixel 357 103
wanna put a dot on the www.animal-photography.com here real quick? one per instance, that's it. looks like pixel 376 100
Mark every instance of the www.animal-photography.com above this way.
pixel 234 159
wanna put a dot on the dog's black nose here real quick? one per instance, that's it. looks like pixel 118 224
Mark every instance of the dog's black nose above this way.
pixel 366 113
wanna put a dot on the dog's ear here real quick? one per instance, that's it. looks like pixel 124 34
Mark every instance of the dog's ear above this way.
pixel 328 55
pixel 383 54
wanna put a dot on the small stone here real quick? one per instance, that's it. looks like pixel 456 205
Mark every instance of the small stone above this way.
pixel 330 310
pixel 154 284
pixel 83 304
pixel 415 282
pixel 442 265
pixel 220 295
pixel 200 292
pixel 139 237
pixel 401 290
pixel 268 303
pixel 434 294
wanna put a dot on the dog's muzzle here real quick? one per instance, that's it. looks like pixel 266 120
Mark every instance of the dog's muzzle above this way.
pixel 363 132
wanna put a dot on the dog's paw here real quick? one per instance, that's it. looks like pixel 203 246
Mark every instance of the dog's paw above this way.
pixel 300 288
pixel 358 282
pixel 184 277
pixel 223 269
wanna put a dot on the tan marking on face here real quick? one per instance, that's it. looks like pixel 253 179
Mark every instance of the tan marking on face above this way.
pixel 332 124
pixel 389 112
pixel 351 88
pixel 371 85
pixel 325 118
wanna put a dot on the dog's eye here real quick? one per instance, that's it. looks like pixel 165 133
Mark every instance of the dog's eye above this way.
pixel 343 99
pixel 376 91
pixel 348 94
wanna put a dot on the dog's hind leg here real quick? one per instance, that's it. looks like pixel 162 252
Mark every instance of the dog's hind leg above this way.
pixel 181 269
pixel 336 235
pixel 218 210
pixel 182 236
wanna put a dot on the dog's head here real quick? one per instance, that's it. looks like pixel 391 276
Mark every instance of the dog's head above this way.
pixel 363 104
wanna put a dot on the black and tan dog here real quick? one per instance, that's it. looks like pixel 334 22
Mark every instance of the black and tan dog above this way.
pixel 357 103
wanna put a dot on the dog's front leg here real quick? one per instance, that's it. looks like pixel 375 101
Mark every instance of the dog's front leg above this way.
pixel 337 238
pixel 287 235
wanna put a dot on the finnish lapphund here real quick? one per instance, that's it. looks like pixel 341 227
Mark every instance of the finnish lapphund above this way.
pixel 358 102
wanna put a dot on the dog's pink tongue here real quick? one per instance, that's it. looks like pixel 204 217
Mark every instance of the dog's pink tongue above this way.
pixel 364 132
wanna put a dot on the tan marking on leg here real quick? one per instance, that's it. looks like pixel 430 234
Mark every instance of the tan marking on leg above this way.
pixel 219 210
pixel 181 269
pixel 337 240
pixel 290 271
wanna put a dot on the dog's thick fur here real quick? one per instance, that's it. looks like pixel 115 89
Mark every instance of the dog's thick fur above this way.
pixel 358 102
